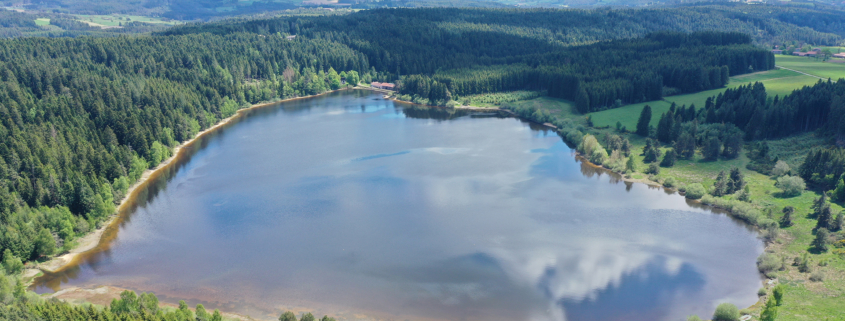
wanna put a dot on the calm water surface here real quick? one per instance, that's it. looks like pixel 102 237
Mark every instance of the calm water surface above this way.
pixel 362 208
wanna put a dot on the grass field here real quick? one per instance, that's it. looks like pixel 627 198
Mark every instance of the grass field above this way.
pixel 116 20
pixel 810 65
pixel 42 21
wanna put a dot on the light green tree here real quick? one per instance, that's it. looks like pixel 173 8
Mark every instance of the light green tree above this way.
pixel 726 312
pixel 11 263
pixel 45 244
pixel 334 79
pixel 287 316
pixel 352 78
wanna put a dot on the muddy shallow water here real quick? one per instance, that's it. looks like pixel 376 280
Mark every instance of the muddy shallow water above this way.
pixel 361 208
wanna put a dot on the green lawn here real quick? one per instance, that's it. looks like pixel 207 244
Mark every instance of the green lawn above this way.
pixel 812 66
pixel 42 21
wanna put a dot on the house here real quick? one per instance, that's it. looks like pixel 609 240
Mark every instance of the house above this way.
pixel 777 52
pixel 839 55
pixel 290 37
pixel 383 85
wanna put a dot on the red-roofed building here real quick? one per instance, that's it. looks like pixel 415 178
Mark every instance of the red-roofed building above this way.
pixel 382 85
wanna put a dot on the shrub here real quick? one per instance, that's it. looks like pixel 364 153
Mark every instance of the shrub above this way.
pixel 761 292
pixel 768 263
pixel 695 191
pixel 653 169
pixel 817 276
pixel 740 210
pixel 804 263
pixel 791 185
pixel 669 182
pixel 781 168
pixel 694 318
pixel 726 312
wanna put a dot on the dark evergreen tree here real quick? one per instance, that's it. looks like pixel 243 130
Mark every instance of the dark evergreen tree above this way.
pixel 643 122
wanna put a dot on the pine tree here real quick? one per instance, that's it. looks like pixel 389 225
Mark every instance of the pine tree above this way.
pixel 643 122
pixel 786 219
pixel 720 187
pixel 821 241
pixel 736 182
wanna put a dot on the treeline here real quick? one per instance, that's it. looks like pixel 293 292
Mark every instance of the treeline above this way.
pixel 81 119
pixel 818 107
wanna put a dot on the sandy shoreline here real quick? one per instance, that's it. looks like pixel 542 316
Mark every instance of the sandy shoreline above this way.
pixel 93 239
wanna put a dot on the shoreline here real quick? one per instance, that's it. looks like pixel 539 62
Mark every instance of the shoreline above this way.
pixel 93 240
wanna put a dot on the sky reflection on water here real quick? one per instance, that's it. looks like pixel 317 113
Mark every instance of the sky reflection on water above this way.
pixel 354 206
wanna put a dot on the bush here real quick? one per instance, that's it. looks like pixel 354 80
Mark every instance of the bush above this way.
pixel 781 168
pixel 653 169
pixel 761 292
pixel 694 318
pixel 740 210
pixel 726 312
pixel 791 185
pixel 817 276
pixel 695 191
pixel 669 182
pixel 768 263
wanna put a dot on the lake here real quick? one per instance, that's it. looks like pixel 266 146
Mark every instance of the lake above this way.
pixel 359 207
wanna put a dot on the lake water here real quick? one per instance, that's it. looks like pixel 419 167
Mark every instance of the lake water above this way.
pixel 361 208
